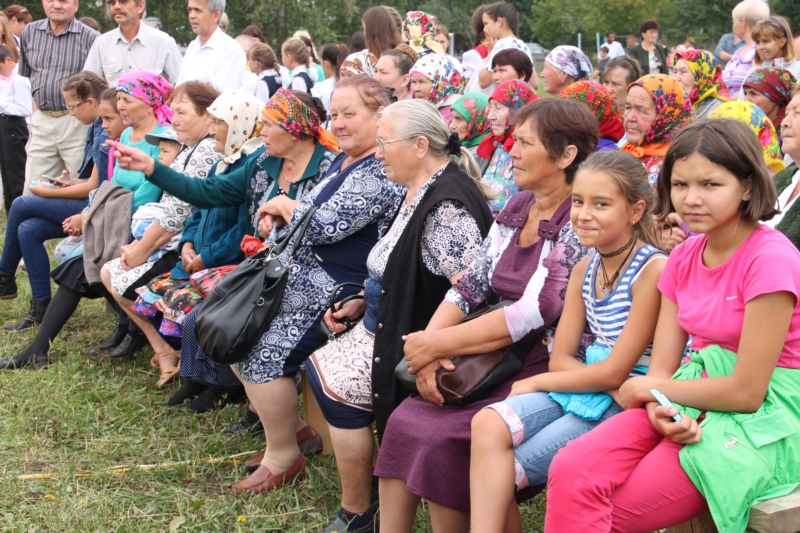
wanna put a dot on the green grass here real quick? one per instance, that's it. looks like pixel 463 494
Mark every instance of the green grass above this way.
pixel 90 413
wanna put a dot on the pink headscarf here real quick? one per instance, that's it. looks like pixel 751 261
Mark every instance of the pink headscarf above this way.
pixel 152 89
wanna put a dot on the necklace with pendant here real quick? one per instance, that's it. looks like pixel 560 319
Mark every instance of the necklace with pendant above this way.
pixel 608 284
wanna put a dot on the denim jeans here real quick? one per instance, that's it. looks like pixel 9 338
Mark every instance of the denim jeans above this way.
pixel 539 428
pixel 32 221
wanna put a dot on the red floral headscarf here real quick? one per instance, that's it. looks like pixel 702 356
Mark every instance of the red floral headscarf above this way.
pixel 602 104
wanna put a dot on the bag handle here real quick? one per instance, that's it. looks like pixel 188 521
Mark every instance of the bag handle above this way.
pixel 339 287
pixel 299 228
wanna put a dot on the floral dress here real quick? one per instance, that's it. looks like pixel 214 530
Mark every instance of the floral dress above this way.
pixel 500 177
pixel 365 196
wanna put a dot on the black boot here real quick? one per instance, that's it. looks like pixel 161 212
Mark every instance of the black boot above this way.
pixel 115 339
pixel 190 390
pixel 26 359
pixel 33 318
pixel 8 286
pixel 132 343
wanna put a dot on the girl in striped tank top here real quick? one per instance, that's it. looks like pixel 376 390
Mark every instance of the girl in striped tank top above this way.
pixel 615 294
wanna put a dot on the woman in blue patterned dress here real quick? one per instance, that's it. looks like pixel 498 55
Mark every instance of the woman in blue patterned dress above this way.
pixel 356 204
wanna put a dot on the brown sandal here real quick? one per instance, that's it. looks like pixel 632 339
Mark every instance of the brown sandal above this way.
pixel 168 373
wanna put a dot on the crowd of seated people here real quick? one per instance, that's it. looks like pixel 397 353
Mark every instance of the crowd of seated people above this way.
pixel 608 240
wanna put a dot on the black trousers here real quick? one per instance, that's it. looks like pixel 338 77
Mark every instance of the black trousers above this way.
pixel 13 138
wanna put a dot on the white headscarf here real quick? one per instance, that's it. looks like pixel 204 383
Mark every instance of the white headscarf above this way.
pixel 241 111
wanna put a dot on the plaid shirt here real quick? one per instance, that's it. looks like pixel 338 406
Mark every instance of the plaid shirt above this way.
pixel 47 59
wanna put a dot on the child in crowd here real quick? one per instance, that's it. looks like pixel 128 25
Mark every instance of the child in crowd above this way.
pixel 615 293
pixel 602 61
pixel 295 57
pixel 734 288
pixel 15 107
pixel 263 63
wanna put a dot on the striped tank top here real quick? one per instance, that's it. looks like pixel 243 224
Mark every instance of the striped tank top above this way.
pixel 607 316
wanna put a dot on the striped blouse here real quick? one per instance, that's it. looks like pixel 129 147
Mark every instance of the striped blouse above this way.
pixel 607 317
pixel 48 59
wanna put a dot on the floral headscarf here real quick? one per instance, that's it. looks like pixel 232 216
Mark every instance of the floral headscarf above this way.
pixel 241 111
pixel 752 115
pixel 358 63
pixel 297 119
pixel 419 29
pixel 673 112
pixel 707 71
pixel 152 89
pixel 602 104
pixel 776 84
pixel 513 94
pixel 572 61
pixel 474 109
pixel 447 79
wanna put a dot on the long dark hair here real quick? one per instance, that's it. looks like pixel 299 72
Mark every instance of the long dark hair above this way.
pixel 477 25
pixel 380 30
pixel 507 12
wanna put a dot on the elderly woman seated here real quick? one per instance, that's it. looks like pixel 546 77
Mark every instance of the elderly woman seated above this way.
pixel 435 236
pixel 526 259
pixel 563 66
pixel 356 204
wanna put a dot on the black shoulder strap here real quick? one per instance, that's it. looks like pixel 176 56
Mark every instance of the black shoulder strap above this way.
pixel 306 78
pixel 272 84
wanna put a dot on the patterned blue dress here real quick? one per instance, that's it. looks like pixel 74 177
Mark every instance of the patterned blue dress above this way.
pixel 365 197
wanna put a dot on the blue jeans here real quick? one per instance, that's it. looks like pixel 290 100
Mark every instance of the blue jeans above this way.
pixel 32 221
pixel 539 428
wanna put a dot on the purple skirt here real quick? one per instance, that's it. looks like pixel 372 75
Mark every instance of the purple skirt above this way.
pixel 428 446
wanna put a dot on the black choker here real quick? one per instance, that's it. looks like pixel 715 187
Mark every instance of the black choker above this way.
pixel 621 250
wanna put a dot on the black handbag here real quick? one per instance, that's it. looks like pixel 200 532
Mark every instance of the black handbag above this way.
pixel 475 375
pixel 324 334
pixel 241 307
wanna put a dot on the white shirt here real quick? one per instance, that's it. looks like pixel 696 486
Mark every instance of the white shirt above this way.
pixel 152 50
pixel 221 62
pixel 260 89
pixel 297 83
pixel 15 96
pixel 472 62
pixel 615 49
pixel 324 90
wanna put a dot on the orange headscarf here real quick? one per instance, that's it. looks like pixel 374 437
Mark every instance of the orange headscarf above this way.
pixel 297 119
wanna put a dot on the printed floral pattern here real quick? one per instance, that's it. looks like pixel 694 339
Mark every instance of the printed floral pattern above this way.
pixel 500 177
pixel 152 89
pixel 296 118
pixel 474 109
pixel 602 104
pixel 776 84
pixel 446 77
pixel 707 72
pixel 572 61
pixel 359 63
pixel 419 29
pixel 752 115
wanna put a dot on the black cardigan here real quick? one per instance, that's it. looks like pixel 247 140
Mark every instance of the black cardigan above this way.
pixel 643 57
pixel 410 293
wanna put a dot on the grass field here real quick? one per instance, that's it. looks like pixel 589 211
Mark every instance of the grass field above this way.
pixel 88 413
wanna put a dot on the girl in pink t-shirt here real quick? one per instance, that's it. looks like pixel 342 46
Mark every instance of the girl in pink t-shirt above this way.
pixel 735 286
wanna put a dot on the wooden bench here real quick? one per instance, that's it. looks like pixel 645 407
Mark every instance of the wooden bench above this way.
pixel 312 415
pixel 779 515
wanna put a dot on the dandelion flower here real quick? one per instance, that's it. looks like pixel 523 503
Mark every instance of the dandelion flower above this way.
pixel 242 519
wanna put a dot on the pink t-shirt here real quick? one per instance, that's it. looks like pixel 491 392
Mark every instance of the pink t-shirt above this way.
pixel 711 300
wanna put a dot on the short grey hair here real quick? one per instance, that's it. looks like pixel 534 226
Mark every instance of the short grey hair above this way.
pixel 753 11
pixel 216 5
pixel 419 118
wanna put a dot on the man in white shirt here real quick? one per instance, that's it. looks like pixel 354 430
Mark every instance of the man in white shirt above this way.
pixel 133 46
pixel 614 46
pixel 213 56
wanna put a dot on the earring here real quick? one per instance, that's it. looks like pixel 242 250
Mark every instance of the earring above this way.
pixel 746 198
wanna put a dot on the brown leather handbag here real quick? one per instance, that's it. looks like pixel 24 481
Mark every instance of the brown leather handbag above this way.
pixel 475 375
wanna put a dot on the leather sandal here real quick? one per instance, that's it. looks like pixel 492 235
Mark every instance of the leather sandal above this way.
pixel 262 480
pixel 167 374
pixel 308 440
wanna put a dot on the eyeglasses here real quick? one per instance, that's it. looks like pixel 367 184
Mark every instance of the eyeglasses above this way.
pixel 120 2
pixel 382 143
pixel 72 108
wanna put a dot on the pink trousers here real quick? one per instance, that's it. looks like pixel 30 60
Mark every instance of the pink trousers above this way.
pixel 621 476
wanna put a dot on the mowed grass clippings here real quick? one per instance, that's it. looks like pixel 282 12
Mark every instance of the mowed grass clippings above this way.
pixel 89 413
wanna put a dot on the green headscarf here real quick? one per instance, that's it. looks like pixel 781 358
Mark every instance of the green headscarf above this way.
pixel 474 109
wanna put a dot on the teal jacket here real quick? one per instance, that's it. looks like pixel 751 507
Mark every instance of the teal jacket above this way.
pixel 252 184
pixel 743 459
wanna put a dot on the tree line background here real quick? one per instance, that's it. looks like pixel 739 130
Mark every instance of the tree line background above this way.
pixel 548 22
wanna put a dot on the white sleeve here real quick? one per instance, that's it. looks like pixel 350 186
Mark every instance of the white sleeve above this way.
pixel 299 84
pixel 93 61
pixel 230 69
pixel 173 62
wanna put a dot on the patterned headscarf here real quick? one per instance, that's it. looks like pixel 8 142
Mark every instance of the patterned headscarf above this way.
pixel 241 111
pixel 602 104
pixel 447 79
pixel 752 115
pixel 707 72
pixel 673 112
pixel 776 84
pixel 513 94
pixel 474 109
pixel 358 63
pixel 297 119
pixel 572 61
pixel 152 89
pixel 419 29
